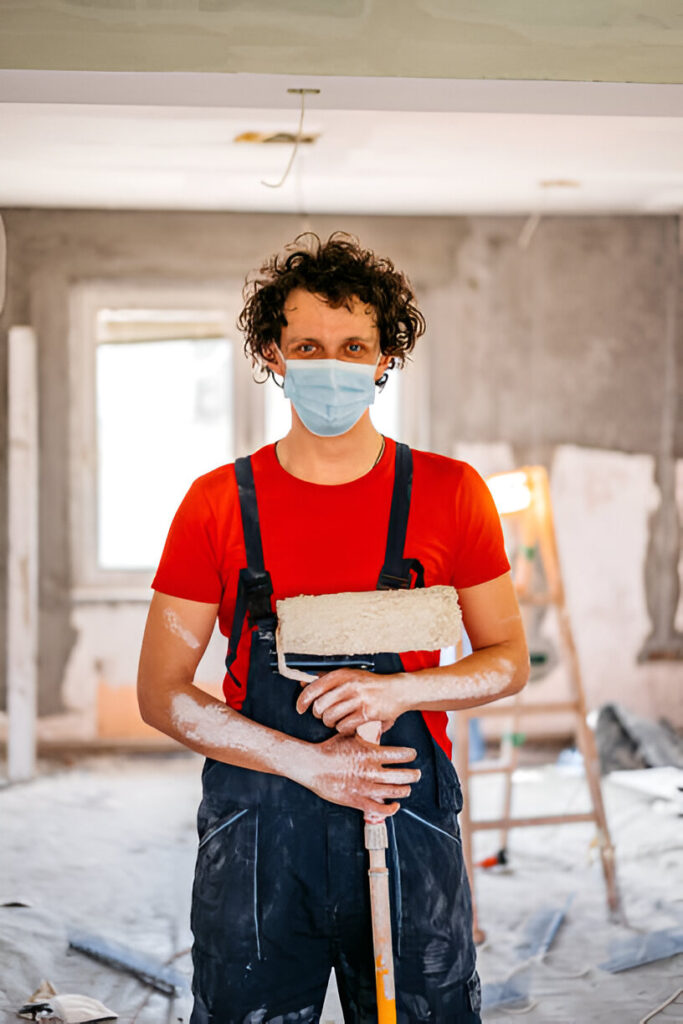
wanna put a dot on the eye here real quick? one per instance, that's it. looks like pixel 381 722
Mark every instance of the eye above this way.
pixel 305 348
pixel 355 347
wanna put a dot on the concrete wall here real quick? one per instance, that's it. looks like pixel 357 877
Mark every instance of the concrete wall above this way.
pixel 602 41
pixel 565 350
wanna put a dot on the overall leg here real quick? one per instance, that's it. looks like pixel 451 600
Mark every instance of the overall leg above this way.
pixel 260 952
pixel 436 978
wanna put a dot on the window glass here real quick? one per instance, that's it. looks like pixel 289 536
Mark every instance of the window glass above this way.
pixel 164 417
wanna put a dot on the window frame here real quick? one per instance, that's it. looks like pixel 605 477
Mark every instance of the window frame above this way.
pixel 90 582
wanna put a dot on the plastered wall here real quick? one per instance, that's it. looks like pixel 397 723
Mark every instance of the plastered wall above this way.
pixel 565 352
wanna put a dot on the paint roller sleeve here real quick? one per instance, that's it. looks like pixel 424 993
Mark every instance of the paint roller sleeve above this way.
pixel 370 622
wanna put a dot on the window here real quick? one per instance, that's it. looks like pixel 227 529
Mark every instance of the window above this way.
pixel 162 394
pixel 163 419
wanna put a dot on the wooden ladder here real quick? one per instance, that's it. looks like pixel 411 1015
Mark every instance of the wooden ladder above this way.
pixel 538 534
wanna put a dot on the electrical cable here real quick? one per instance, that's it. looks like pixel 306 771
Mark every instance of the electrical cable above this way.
pixel 295 150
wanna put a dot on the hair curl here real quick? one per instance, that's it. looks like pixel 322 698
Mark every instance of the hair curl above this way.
pixel 339 270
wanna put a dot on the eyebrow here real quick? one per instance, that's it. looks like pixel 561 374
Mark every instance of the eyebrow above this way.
pixel 352 337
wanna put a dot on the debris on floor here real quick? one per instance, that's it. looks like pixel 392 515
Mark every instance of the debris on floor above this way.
pixel 152 972
pixel 540 930
pixel 496 860
pixel 625 741
pixel 538 934
pixel 47 1005
pixel 511 992
pixel 636 950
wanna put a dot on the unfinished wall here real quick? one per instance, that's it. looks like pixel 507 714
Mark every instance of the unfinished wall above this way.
pixel 572 341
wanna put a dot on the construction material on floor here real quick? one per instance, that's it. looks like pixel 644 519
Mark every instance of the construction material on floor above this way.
pixel 636 950
pixel 47 1004
pixel 540 929
pixel 512 992
pixel 149 970
pixel 538 934
pixel 626 740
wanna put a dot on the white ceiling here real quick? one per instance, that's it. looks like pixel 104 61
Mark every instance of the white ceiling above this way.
pixel 490 158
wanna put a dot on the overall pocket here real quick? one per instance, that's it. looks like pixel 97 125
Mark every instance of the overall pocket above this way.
pixel 224 915
pixel 436 906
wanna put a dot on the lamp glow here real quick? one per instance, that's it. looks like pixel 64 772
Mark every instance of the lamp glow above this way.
pixel 511 491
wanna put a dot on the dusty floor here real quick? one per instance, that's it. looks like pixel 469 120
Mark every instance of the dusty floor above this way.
pixel 109 845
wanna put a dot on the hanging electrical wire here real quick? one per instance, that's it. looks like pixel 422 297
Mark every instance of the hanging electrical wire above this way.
pixel 297 139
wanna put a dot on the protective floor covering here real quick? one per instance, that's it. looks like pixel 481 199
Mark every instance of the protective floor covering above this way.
pixel 108 846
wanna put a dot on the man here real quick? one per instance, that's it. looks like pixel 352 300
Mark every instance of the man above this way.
pixel 280 893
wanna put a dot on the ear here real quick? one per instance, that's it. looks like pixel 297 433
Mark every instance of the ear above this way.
pixel 383 365
pixel 272 358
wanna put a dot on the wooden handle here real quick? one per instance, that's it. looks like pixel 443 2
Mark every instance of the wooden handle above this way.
pixel 381 938
pixel 376 841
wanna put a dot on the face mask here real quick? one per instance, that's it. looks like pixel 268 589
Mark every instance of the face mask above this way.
pixel 329 395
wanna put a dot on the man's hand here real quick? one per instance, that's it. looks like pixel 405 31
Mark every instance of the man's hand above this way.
pixel 346 770
pixel 346 698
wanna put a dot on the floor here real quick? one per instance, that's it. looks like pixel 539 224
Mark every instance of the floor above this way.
pixel 108 844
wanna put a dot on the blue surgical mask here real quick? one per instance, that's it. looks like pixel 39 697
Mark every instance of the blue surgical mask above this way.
pixel 329 395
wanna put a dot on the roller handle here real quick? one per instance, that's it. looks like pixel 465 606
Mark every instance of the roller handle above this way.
pixel 376 842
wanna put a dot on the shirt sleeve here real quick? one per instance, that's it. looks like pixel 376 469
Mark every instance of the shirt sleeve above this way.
pixel 481 554
pixel 189 566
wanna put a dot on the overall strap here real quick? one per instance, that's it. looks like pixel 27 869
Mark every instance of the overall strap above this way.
pixel 398 573
pixel 246 492
pixel 254 588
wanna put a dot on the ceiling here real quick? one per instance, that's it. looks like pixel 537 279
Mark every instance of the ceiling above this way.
pixel 400 146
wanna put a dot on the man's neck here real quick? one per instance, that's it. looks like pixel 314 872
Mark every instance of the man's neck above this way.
pixel 330 460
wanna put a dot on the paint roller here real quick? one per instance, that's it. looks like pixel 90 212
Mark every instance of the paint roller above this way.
pixel 330 631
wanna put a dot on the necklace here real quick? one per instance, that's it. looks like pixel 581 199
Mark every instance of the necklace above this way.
pixel 379 454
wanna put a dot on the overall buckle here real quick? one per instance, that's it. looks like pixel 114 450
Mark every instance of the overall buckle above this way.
pixel 258 591
pixel 412 575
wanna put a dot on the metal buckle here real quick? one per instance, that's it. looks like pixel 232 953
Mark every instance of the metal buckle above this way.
pixel 258 590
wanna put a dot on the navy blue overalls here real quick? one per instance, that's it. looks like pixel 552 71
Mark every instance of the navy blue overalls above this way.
pixel 281 889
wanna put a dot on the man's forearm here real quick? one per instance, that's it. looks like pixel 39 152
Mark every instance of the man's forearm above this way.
pixel 343 770
pixel 209 727
pixel 484 676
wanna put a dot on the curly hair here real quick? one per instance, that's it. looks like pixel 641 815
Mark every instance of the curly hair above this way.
pixel 339 270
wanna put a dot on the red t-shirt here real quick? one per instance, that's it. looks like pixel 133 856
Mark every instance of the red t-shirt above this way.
pixel 325 539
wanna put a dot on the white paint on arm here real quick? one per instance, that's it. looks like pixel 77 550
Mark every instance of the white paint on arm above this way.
pixel 174 625
pixel 217 726
pixel 486 682
pixel 445 687
pixel 203 723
